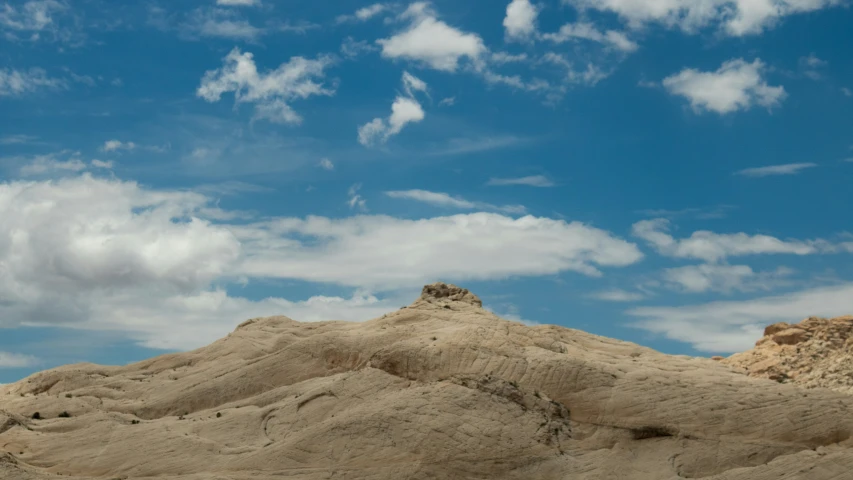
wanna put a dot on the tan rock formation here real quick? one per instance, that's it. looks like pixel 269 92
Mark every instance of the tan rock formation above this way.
pixel 816 352
pixel 437 390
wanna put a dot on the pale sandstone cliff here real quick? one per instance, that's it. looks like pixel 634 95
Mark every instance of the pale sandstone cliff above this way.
pixel 816 352
pixel 438 390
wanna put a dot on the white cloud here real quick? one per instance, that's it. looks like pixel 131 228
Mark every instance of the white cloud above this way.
pixel 117 145
pixel 16 360
pixel 520 20
pixel 412 84
pixel 587 31
pixel 447 102
pixel 441 199
pixel 530 181
pixel 385 253
pixel 211 22
pixel 32 15
pixel 350 48
pixel 713 247
pixel 736 85
pixel 811 65
pixel 21 82
pixel 363 14
pixel 101 254
pixel 734 17
pixel 500 58
pixel 43 164
pixel 16 139
pixel 326 164
pixel 356 201
pixel 101 164
pixel 847 92
pixel 735 326
pixel 271 92
pixel 431 41
pixel 590 75
pixel 404 110
pixel 787 169
pixel 722 278
pixel 238 3
pixel 618 295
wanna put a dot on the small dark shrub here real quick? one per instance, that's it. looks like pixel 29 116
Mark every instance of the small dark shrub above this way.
pixel 68 395
pixel 134 422
pixel 37 416
pixel 434 339
pixel 514 384
pixel 218 414
pixel 64 415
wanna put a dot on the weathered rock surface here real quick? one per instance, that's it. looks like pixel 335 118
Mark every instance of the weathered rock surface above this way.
pixel 440 389
pixel 815 353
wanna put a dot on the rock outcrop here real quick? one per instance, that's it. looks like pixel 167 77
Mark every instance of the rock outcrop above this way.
pixel 815 353
pixel 440 389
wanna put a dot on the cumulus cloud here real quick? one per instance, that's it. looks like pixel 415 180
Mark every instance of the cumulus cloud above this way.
pixel 520 20
pixel 104 254
pixel 441 199
pixel 713 247
pixel 430 41
pixel 736 85
pixel 404 110
pixel 15 83
pixel 271 92
pixel 587 31
pixel 734 17
pixel 786 169
pixel 530 181
pixel 734 326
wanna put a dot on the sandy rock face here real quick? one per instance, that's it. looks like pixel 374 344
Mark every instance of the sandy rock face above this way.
pixel 440 389
pixel 816 352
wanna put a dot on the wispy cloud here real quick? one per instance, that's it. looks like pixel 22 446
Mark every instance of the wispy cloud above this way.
pixel 15 83
pixel 441 199
pixel 16 139
pixel 617 295
pixel 735 326
pixel 363 14
pixel 17 360
pixel 326 164
pixel 786 169
pixel 530 181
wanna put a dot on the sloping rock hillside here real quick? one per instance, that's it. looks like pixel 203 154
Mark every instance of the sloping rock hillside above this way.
pixel 437 390
pixel 814 353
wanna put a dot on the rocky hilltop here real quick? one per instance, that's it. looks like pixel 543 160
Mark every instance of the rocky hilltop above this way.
pixel 816 352
pixel 439 389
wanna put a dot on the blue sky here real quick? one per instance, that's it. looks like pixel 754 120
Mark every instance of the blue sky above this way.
pixel 650 170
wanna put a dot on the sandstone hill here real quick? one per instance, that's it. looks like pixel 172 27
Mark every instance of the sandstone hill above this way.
pixel 441 389
pixel 816 352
